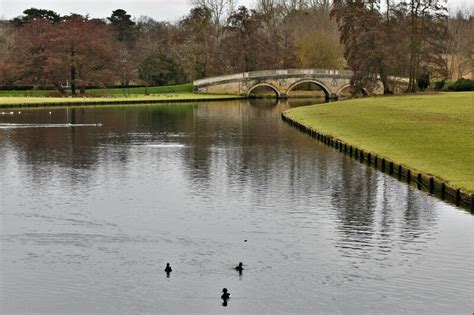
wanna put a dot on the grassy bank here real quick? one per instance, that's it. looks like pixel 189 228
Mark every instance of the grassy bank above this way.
pixel 23 101
pixel 114 92
pixel 432 134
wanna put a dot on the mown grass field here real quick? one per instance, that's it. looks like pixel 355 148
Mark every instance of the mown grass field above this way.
pixel 115 92
pixel 433 134
pixel 175 97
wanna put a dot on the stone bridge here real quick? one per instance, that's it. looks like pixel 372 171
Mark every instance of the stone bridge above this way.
pixel 332 82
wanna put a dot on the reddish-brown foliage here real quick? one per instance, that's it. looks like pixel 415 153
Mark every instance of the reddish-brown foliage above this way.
pixel 75 50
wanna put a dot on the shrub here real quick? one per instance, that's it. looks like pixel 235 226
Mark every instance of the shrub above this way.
pixel 462 85
pixel 424 81
pixel 439 85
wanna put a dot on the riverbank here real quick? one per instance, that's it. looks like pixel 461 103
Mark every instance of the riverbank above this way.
pixel 13 102
pixel 428 138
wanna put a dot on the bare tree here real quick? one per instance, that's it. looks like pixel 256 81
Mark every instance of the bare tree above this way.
pixel 427 25
pixel 461 45
pixel 7 39
pixel 220 10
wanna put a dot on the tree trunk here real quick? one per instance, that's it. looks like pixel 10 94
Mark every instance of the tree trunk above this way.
pixel 386 85
pixel 73 80
pixel 412 49
pixel 73 71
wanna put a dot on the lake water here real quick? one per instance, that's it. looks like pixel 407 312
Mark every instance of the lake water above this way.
pixel 90 215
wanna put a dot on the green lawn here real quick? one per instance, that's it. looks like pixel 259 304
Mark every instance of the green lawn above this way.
pixel 16 100
pixel 433 134
pixel 115 92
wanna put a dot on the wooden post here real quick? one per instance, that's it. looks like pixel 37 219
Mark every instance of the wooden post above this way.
pixel 368 159
pixel 472 203
pixel 418 181
pixel 391 168
pixel 431 185
pixel 408 177
pixel 383 165
pixel 400 171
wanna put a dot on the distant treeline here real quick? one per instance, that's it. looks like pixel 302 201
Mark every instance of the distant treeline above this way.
pixel 415 39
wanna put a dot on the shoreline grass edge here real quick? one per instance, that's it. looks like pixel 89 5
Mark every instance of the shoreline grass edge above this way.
pixel 435 186
pixel 118 101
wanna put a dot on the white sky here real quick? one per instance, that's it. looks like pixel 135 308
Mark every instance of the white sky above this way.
pixel 161 10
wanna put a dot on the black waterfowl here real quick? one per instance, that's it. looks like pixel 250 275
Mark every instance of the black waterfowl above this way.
pixel 240 267
pixel 168 268
pixel 225 294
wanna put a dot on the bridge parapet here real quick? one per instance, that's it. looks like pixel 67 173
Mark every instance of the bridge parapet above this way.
pixel 272 73
pixel 222 78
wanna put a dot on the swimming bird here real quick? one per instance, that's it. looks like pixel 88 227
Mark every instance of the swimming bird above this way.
pixel 240 267
pixel 225 294
pixel 168 268
pixel 50 113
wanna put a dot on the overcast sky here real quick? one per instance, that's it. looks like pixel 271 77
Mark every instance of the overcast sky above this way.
pixel 162 10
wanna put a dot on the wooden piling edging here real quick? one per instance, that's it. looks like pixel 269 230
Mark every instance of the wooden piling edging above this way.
pixel 421 181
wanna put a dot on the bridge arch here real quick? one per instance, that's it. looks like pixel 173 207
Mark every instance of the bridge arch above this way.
pixel 323 87
pixel 277 92
pixel 339 92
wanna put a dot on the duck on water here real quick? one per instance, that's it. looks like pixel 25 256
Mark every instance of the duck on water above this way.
pixel 168 269
pixel 239 267
pixel 225 297
pixel 225 294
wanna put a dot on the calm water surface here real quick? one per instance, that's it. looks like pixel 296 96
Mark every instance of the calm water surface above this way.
pixel 90 216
